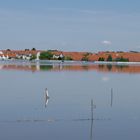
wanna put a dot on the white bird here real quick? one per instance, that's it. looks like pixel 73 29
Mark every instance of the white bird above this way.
pixel 46 97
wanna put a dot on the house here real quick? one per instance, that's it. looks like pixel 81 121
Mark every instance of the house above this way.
pixel 4 57
pixel 55 56
pixel 0 57
pixel 58 56
pixel 1 52
pixel 23 56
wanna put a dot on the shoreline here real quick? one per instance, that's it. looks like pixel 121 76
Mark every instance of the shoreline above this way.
pixel 66 62
pixel 57 55
pixel 117 63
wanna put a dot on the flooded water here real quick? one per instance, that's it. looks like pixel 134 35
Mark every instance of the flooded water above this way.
pixel 64 110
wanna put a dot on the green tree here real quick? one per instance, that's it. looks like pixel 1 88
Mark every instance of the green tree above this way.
pixel 109 58
pixel 26 49
pixel 47 55
pixel 33 49
pixel 101 59
pixel 33 57
pixel 8 50
pixel 68 58
pixel 121 59
pixel 84 58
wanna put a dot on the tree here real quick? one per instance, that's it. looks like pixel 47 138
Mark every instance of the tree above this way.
pixel 101 59
pixel 33 49
pixel 84 58
pixel 121 59
pixel 46 55
pixel 33 57
pixel 8 50
pixel 109 58
pixel 26 49
pixel 68 58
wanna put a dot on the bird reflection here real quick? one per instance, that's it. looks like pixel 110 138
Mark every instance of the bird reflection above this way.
pixel 46 97
pixel 111 103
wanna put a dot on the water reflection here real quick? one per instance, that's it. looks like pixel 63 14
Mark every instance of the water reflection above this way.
pixel 91 130
pixel 71 115
pixel 93 106
pixel 111 102
pixel 79 67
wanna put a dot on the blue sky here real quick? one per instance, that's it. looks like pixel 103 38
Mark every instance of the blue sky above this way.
pixel 70 25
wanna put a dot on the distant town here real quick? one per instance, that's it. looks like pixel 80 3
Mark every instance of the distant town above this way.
pixel 36 55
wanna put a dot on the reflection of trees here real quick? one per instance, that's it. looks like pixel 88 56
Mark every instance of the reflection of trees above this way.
pixel 46 67
pixel 70 67
pixel 121 66
pixel 85 67
pixel 109 67
pixel 101 66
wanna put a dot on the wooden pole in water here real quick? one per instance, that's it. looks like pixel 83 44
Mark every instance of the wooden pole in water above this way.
pixel 91 129
pixel 92 109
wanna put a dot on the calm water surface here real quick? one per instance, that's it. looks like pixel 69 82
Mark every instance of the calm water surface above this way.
pixel 26 113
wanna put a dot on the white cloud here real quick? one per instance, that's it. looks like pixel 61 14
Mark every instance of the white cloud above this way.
pixel 106 42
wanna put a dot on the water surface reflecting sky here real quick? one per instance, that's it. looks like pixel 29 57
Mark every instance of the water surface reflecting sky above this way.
pixel 24 115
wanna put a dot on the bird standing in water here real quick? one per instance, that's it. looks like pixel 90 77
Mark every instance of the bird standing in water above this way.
pixel 46 97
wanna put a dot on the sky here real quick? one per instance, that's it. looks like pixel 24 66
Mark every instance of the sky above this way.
pixel 70 25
